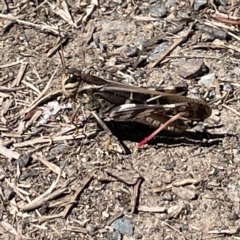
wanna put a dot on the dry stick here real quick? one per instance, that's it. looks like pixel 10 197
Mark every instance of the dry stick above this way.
pixel 112 219
pixel 180 183
pixel 16 189
pixel 217 26
pixel 6 89
pixel 85 182
pixel 76 229
pixel 36 8
pixel 143 19
pixel 31 86
pixel 52 51
pixel 43 27
pixel 46 139
pixel 74 115
pixel 177 42
pixel 4 95
pixel 11 64
pixel 231 109
pixel 20 75
pixel 143 208
pixel 35 70
pixel 225 20
pixel 174 118
pixel 180 233
pixel 135 195
pixel 53 167
pixel 41 199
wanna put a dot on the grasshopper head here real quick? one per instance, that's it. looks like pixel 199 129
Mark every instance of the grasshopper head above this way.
pixel 71 80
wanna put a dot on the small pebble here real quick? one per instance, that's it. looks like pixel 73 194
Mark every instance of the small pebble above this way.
pixel 158 11
pixel 8 194
pixel 227 87
pixel 166 197
pixel 207 80
pixel 199 4
pixel 90 228
pixel 123 225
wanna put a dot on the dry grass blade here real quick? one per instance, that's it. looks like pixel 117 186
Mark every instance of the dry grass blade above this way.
pixel 78 191
pixel 64 14
pixel 37 202
pixel 11 64
pixel 52 139
pixel 17 190
pixel 135 195
pixel 50 165
pixel 151 209
pixel 231 109
pixel 43 27
pixel 44 96
pixel 188 169
pixel 111 220
pixel 20 75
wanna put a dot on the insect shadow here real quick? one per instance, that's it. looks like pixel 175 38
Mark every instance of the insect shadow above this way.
pixel 135 132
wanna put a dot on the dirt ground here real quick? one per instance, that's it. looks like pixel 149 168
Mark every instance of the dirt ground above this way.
pixel 57 179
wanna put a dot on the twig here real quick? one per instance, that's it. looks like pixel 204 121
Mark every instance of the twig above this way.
pixel 16 189
pixel 135 195
pixel 142 208
pixel 78 190
pixel 53 139
pixel 112 219
pixel 42 27
pixel 174 229
pixel 11 64
pixel 225 20
pixel 20 74
pixel 177 42
pixel 40 200
pixel 231 109
pixel 50 165
pixel 106 129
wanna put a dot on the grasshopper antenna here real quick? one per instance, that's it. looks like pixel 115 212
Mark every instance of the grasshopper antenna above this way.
pixel 61 52
pixel 71 80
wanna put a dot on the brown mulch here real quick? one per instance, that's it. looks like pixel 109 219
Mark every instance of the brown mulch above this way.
pixel 57 179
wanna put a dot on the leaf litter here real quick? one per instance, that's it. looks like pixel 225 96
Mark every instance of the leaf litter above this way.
pixel 56 179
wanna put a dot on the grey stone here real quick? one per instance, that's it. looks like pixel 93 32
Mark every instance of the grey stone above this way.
pixel 198 4
pixel 207 80
pixel 123 225
pixel 158 11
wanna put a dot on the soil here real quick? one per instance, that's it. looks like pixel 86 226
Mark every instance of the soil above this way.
pixel 59 177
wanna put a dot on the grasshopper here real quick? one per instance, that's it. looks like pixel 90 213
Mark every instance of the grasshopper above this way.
pixel 126 103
